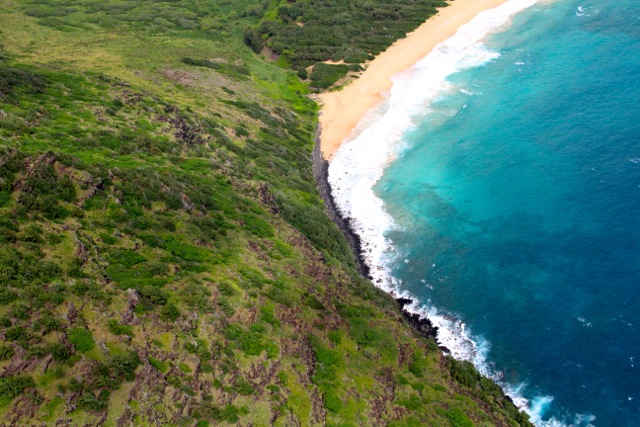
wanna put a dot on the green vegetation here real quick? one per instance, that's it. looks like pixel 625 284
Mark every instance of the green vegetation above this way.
pixel 298 32
pixel 324 76
pixel 13 386
pixel 81 338
pixel 164 256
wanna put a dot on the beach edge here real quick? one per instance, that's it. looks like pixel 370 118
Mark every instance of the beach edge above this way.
pixel 342 110
pixel 321 174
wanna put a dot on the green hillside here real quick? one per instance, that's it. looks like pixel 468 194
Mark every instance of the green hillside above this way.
pixel 165 258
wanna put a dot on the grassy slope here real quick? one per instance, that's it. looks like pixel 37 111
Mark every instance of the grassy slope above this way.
pixel 164 256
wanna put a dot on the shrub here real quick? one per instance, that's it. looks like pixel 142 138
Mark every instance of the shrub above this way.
pixel 81 338
pixel 158 364
pixel 123 366
pixel 325 75
pixel 335 337
pixel 199 348
pixel 58 372
pixel 185 251
pixel 19 268
pixel 12 386
pixel 411 402
pixel 50 323
pixel 268 314
pixel 329 357
pixel 16 333
pixel 363 332
pixel 209 411
pixel 418 386
pixel 236 71
pixel 89 402
pixel 463 372
pixel 197 296
pixel 328 363
pixel 118 328
pixel 225 307
pixel 7 229
pixel 278 295
pixel 170 312
pixel 252 342
pixel 7 296
pixel 59 352
pixel 13 78
pixel 332 401
pixel 417 364
pixel 6 352
pixel 66 190
pixel 125 257
pixel 32 233
pixel 108 239
pixel 458 418
pixel 313 302
pixel 253 278
pixel 152 295
pixel 20 311
pixel 74 268
pixel 256 225
pixel 75 385
pixel 244 387
pixel 36 352
pixel 226 289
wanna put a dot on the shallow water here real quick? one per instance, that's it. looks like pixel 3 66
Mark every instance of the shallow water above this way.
pixel 500 185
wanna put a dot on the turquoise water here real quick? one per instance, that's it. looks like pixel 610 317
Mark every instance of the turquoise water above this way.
pixel 517 204
pixel 512 204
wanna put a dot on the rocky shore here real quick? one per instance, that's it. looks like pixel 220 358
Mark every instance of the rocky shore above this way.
pixel 321 172
pixel 423 325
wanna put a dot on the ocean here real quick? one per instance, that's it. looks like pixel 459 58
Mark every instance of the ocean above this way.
pixel 498 185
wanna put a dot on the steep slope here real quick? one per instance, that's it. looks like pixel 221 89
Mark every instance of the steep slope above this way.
pixel 164 256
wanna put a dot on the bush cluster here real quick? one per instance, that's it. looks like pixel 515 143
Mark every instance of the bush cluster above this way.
pixel 12 386
pixel 359 30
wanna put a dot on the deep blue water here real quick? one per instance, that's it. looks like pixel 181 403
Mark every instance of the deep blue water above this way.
pixel 522 186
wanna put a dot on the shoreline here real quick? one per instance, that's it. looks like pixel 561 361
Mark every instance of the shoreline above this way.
pixel 421 324
pixel 340 115
pixel 341 111
pixel 320 167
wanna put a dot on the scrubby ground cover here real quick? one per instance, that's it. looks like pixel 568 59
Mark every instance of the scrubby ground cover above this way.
pixel 164 256
pixel 305 33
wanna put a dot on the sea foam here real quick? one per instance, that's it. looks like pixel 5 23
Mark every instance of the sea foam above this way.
pixel 377 141
pixel 360 162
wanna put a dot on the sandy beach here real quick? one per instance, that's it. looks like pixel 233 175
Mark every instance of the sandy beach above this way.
pixel 341 111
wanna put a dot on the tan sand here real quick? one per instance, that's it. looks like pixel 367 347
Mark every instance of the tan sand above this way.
pixel 341 111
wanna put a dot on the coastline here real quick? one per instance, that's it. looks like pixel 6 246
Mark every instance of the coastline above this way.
pixel 320 167
pixel 421 324
pixel 416 320
pixel 341 111
pixel 340 115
